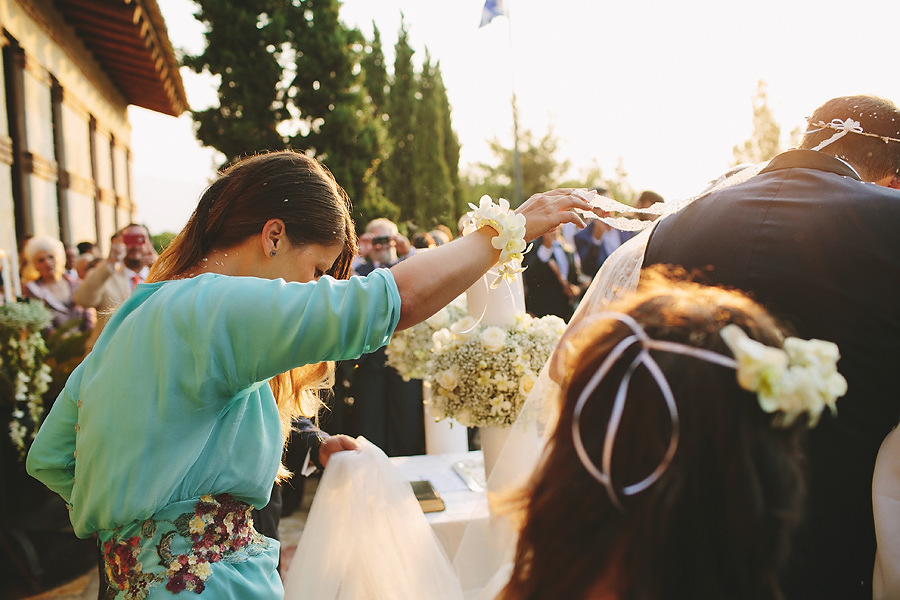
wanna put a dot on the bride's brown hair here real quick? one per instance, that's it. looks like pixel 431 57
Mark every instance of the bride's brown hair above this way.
pixel 315 210
pixel 717 522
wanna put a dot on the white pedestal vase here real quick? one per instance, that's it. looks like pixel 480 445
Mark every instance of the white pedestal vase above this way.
pixel 445 436
pixel 497 307
pixel 493 439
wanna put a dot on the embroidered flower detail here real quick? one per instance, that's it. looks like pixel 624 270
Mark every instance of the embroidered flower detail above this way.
pixel 800 378
pixel 218 527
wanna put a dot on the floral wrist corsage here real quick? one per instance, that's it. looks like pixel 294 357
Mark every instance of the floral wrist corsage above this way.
pixel 510 238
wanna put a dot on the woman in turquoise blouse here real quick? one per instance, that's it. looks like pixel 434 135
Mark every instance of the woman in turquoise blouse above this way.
pixel 171 430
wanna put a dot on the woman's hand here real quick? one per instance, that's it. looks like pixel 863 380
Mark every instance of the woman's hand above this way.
pixel 545 211
pixel 335 443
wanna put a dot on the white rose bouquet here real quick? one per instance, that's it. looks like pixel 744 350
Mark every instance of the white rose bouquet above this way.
pixel 409 350
pixel 481 375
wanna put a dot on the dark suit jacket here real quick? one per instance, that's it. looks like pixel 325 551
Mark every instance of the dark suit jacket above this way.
pixel 593 256
pixel 544 294
pixel 387 411
pixel 821 250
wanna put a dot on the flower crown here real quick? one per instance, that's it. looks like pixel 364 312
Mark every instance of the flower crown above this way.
pixel 842 128
pixel 800 378
pixel 510 238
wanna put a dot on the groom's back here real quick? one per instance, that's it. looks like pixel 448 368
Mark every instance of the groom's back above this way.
pixel 821 250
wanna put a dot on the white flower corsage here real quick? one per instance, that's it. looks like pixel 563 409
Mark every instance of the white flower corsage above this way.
pixel 800 378
pixel 510 238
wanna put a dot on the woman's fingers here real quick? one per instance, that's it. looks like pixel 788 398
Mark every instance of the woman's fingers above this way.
pixel 547 210
pixel 335 443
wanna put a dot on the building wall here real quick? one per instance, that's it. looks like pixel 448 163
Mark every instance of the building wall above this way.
pixel 69 176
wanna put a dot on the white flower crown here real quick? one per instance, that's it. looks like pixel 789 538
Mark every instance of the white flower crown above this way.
pixel 800 378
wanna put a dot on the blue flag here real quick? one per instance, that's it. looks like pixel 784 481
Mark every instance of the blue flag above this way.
pixel 492 8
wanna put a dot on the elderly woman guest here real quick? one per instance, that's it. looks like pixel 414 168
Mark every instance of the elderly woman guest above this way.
pixel 675 468
pixel 46 256
pixel 172 428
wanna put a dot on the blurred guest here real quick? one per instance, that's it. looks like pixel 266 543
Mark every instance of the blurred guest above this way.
pixel 111 281
pixel 386 410
pixel 647 198
pixel 552 278
pixel 71 258
pixel 421 240
pixel 46 256
pixel 441 234
pixel 85 247
pixel 597 241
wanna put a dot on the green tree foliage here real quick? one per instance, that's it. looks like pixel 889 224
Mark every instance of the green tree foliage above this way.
pixel 431 185
pixel 291 76
pixel 337 123
pixel 399 168
pixel 451 154
pixel 541 170
pixel 765 139
pixel 375 70
pixel 244 49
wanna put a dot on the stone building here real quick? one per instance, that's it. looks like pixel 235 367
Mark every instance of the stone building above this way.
pixel 70 70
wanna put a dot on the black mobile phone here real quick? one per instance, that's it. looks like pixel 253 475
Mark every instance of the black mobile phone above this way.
pixel 429 498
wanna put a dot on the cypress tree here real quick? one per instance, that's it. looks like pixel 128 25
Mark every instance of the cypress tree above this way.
pixel 431 182
pixel 375 70
pixel 400 166
pixel 459 204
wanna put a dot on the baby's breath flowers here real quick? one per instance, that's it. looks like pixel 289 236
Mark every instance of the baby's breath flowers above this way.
pixel 482 375
pixel 410 350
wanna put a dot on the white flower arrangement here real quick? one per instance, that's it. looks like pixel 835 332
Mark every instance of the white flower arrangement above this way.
pixel 410 350
pixel 481 375
pixel 800 378
pixel 510 238
pixel 24 376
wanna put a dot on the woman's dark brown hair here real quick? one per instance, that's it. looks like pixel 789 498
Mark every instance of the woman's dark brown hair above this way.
pixel 315 210
pixel 717 522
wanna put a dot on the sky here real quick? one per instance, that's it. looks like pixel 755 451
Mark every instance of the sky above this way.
pixel 664 88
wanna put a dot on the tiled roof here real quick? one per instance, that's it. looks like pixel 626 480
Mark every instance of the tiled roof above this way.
pixel 129 40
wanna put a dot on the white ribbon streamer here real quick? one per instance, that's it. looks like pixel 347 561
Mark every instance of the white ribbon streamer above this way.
pixel 843 128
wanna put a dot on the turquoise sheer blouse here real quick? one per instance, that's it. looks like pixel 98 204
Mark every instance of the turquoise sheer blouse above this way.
pixel 172 402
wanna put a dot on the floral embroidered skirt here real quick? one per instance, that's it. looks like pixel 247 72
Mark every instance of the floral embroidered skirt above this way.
pixel 206 546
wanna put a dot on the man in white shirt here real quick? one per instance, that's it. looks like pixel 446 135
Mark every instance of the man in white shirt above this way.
pixel 111 281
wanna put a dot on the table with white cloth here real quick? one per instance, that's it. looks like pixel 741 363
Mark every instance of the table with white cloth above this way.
pixel 464 506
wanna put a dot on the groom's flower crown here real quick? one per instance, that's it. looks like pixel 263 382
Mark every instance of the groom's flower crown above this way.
pixel 842 128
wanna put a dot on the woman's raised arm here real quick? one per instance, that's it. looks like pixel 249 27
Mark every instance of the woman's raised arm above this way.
pixel 430 280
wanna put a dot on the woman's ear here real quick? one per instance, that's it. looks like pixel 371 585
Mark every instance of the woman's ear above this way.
pixel 273 233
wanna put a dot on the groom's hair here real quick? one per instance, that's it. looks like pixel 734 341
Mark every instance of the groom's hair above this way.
pixel 872 157
pixel 719 518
